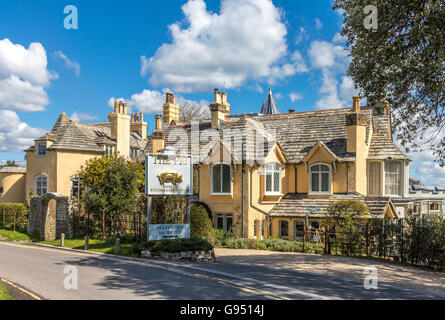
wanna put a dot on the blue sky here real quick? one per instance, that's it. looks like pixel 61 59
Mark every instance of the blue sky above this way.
pixel 136 50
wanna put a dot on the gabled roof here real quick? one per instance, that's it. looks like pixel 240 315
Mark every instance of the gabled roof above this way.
pixel 13 170
pixel 270 106
pixel 322 146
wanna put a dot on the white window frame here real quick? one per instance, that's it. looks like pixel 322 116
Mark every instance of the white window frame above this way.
pixel 38 144
pixel 36 179
pixel 272 172
pixel 213 192
pixel 80 189
pixel 329 192
pixel 402 177
pixel 225 217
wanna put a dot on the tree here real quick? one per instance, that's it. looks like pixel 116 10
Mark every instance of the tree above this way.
pixel 112 184
pixel 401 62
pixel 189 112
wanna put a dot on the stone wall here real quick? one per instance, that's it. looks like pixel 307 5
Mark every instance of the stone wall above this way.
pixel 50 215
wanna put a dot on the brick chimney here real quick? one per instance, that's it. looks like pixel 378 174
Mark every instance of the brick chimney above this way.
pixel 138 124
pixel 219 108
pixel 356 145
pixel 120 128
pixel 158 136
pixel 171 110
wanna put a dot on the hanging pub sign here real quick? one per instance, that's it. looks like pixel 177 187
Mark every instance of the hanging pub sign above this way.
pixel 168 174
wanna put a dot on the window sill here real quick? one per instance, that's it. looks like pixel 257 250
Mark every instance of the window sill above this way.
pixel 320 194
pixel 221 194
pixel 273 194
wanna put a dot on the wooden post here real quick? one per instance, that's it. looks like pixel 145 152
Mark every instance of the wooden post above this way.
pixel 62 240
pixel 15 218
pixel 149 203
pixel 87 243
pixel 187 209
pixel 103 224
pixel 117 249
pixel 304 238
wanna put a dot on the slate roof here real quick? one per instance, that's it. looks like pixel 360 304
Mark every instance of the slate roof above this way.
pixel 298 205
pixel 382 147
pixel 270 106
pixel 13 170
pixel 70 135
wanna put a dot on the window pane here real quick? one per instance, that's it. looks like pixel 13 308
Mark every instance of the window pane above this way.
pixel 315 183
pixel 315 168
pixel 393 178
pixel 220 222
pixel 229 222
pixel 269 182
pixel 325 168
pixel 284 229
pixel 374 178
pixel 325 182
pixel 216 178
pixel 226 179
pixel 276 182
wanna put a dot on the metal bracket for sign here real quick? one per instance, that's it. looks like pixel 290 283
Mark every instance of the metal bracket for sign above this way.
pixel 150 196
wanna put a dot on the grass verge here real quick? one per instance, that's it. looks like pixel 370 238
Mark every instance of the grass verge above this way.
pixel 7 235
pixel 96 245
pixel 4 295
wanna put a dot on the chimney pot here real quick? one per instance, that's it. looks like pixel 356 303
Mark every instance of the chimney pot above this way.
pixel 356 104
pixel 142 117
pixel 116 106
pixel 291 110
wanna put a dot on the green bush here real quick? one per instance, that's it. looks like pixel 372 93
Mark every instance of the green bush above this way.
pixel 178 245
pixel 200 223
pixel 9 210
pixel 221 237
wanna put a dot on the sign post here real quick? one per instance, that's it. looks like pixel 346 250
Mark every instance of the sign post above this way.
pixel 168 174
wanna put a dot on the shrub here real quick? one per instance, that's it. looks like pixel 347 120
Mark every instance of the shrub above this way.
pixel 178 245
pixel 221 237
pixel 200 223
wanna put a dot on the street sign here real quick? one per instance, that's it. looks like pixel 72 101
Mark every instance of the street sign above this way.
pixel 168 174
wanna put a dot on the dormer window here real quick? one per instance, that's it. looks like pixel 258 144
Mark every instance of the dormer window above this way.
pixel 41 149
pixel 134 153
pixel 320 179
pixel 109 150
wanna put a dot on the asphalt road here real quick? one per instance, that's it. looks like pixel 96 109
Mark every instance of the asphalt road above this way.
pixel 41 270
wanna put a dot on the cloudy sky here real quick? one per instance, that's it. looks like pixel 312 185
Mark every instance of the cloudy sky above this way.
pixel 138 50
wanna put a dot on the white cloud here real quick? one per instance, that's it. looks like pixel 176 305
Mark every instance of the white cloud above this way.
pixel 332 60
pixel 152 101
pixel 68 63
pixel 295 96
pixel 15 135
pixel 338 38
pixel 318 24
pixel 301 36
pixel 24 76
pixel 245 41
pixel 80 116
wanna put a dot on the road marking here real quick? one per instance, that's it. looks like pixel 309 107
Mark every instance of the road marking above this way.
pixel 29 293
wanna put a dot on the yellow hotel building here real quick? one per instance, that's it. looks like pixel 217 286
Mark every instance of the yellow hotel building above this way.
pixel 315 158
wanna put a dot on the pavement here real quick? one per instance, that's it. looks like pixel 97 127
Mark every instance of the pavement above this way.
pixel 42 270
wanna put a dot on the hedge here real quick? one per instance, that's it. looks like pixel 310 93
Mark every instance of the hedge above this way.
pixel 14 215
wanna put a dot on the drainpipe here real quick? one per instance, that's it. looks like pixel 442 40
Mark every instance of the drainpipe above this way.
pixel 296 179
pixel 242 187
pixel 347 178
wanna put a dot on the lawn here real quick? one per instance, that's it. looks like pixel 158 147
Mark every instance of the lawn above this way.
pixel 13 236
pixel 95 245
pixel 4 295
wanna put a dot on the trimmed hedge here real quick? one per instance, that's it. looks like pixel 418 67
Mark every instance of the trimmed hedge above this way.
pixel 200 224
pixel 179 245
pixel 7 213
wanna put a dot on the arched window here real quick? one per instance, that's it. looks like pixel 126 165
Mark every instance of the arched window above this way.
pixel 320 178
pixel 221 179
pixel 41 184
pixel 273 178
pixel 76 187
